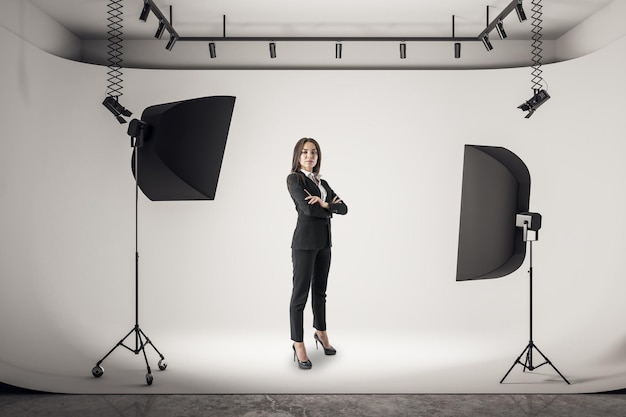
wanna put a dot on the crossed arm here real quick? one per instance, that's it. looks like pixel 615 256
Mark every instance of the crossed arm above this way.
pixel 313 205
pixel 313 199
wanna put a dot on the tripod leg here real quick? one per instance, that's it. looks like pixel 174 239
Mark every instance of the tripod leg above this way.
pixel 97 370
pixel 142 347
pixel 516 362
pixel 528 363
pixel 162 364
pixel 552 365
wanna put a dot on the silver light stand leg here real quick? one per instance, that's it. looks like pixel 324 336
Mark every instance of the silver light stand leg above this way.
pixel 141 340
pixel 528 350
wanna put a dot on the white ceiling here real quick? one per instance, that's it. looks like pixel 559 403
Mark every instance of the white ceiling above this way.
pixel 322 18
pixel 87 18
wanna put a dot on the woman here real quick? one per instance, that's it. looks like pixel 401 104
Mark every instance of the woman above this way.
pixel 315 203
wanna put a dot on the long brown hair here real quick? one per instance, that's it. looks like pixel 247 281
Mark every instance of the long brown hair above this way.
pixel 297 150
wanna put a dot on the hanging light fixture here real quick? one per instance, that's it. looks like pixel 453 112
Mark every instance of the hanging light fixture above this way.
pixel 485 38
pixel 145 12
pixel 457 45
pixel 540 95
pixel 520 11
pixel 497 24
pixel 486 42
pixel 500 30
pixel 160 29
pixel 171 42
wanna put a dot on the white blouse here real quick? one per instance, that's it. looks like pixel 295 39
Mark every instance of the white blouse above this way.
pixel 317 181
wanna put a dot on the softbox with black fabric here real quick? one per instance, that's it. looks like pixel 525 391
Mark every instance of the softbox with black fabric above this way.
pixel 495 188
pixel 182 148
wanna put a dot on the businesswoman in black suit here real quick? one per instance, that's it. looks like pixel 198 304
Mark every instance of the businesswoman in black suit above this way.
pixel 315 203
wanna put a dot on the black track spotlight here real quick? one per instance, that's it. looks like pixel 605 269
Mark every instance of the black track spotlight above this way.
pixel 145 12
pixel 457 45
pixel 171 42
pixel 116 108
pixel 160 29
pixel 457 50
pixel 212 50
pixel 520 11
pixel 338 49
pixel 538 98
pixel 486 42
pixel 272 50
pixel 500 30
pixel 402 50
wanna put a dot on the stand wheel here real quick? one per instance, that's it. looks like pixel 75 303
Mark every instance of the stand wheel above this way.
pixel 149 378
pixel 162 364
pixel 97 371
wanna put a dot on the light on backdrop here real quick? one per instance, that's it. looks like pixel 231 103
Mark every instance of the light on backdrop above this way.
pixel 178 150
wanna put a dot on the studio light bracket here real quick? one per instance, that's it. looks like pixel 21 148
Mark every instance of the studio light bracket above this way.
pixel 491 25
pixel 540 95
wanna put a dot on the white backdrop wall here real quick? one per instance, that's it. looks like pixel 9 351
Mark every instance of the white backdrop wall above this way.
pixel 219 272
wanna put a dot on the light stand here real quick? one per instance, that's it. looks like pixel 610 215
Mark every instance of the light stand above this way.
pixel 136 130
pixel 531 222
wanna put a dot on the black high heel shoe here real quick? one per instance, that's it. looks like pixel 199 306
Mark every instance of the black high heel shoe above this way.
pixel 327 351
pixel 302 365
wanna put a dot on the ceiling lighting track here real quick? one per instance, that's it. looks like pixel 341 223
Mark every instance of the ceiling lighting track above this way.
pixel 325 39
pixel 483 36
pixel 164 23
pixel 491 25
pixel 515 4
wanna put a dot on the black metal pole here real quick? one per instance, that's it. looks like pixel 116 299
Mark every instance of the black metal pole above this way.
pixel 136 161
pixel 530 274
pixel 98 371
pixel 528 350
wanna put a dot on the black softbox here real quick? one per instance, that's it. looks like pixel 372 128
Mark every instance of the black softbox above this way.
pixel 496 188
pixel 182 147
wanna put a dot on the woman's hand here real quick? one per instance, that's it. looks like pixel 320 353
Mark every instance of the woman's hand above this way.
pixel 313 199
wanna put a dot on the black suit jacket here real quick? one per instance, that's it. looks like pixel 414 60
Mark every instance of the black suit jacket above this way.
pixel 313 225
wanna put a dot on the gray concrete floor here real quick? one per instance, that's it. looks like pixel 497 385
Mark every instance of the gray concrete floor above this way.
pixel 20 404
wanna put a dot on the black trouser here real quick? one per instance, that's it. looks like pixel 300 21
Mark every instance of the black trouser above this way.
pixel 310 270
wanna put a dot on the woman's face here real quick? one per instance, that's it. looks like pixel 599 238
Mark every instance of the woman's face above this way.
pixel 308 157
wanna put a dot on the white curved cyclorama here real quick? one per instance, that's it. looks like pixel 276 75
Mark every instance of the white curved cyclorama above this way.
pixel 216 275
